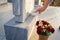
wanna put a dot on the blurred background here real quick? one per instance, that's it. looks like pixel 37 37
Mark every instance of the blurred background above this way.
pixel 55 3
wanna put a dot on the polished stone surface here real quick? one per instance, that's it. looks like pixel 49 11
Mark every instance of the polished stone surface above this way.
pixel 21 8
pixel 20 31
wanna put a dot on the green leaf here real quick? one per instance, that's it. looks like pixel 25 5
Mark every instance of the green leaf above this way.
pixel 46 33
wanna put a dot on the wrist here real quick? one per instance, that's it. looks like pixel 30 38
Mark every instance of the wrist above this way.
pixel 45 6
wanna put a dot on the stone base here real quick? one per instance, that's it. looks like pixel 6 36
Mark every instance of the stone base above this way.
pixel 20 31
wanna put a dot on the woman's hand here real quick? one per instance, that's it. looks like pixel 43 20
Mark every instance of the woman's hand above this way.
pixel 40 9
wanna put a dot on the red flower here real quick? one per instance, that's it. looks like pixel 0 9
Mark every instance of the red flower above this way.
pixel 52 30
pixel 39 30
pixel 37 23
pixel 44 22
pixel 39 27
pixel 42 29
pixel 48 28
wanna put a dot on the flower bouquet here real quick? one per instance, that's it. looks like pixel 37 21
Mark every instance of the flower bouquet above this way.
pixel 44 29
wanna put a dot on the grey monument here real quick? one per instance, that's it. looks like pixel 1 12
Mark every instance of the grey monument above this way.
pixel 22 25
